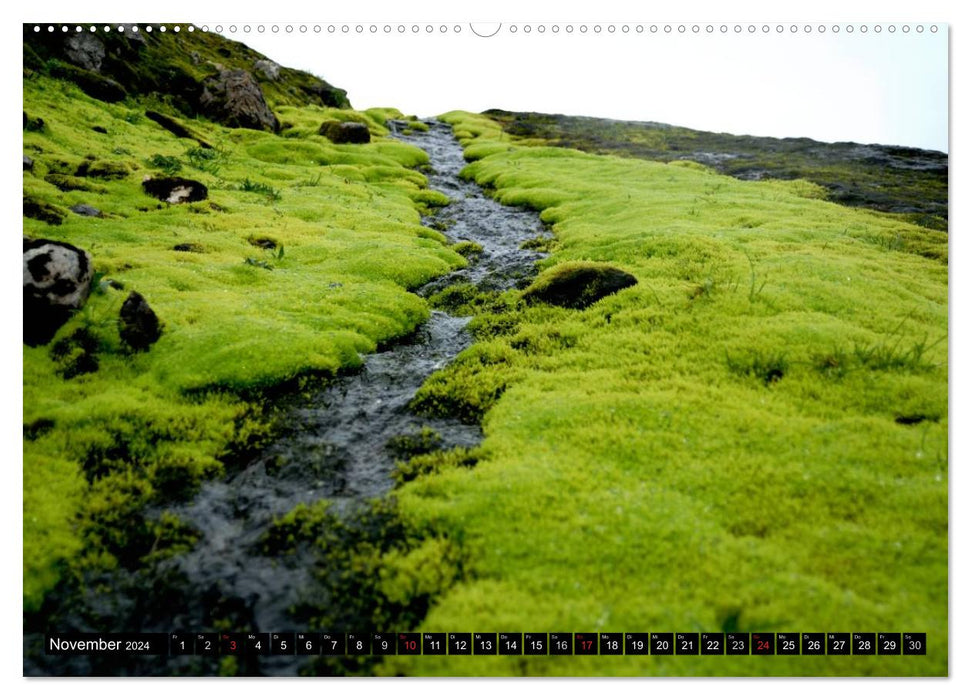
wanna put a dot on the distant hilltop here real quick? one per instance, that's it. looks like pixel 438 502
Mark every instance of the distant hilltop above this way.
pixel 908 181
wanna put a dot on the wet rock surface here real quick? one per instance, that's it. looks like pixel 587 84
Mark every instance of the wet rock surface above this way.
pixel 339 445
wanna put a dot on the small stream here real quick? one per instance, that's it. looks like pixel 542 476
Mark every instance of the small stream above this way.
pixel 334 446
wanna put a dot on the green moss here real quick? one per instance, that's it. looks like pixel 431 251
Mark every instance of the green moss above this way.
pixel 770 452
pixel 108 433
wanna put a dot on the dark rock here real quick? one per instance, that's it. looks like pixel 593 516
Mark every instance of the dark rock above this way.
pixel 345 132
pixel 175 190
pixel 99 129
pixel 57 281
pixel 87 210
pixel 42 211
pixel 138 325
pixel 234 98
pixel 175 127
pixel 578 285
pixel 28 163
pixel 85 50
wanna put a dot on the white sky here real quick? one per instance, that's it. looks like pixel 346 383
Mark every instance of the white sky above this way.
pixel 871 88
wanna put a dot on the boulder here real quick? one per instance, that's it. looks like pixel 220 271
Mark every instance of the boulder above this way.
pixel 28 163
pixel 138 325
pixel 174 126
pixel 57 281
pixel 175 190
pixel 87 210
pixel 326 95
pixel 345 132
pixel 578 285
pixel 269 69
pixel 85 50
pixel 234 98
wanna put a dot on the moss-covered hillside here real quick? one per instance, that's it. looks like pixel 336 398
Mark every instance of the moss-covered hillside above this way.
pixel 298 261
pixel 908 181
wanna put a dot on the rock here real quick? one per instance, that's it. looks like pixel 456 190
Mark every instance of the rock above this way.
pixel 345 132
pixel 138 325
pixel 234 98
pixel 99 129
pixel 85 50
pixel 578 285
pixel 175 190
pixel 28 163
pixel 268 68
pixel 42 211
pixel 87 210
pixel 57 281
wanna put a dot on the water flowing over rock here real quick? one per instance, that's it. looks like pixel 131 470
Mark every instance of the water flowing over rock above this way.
pixel 234 98
pixel 57 281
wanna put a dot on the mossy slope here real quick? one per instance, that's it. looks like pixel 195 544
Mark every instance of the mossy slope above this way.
pixel 299 261
pixel 753 437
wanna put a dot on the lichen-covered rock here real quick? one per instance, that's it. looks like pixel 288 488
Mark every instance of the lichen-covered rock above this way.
pixel 138 325
pixel 85 50
pixel 345 132
pixel 578 285
pixel 234 98
pixel 269 69
pixel 57 281
pixel 175 190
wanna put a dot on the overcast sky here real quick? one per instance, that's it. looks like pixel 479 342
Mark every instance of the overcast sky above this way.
pixel 867 87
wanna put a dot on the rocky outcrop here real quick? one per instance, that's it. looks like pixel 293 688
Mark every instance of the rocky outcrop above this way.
pixel 578 285
pixel 345 132
pixel 234 98
pixel 269 69
pixel 85 50
pixel 57 281
pixel 175 190
pixel 138 325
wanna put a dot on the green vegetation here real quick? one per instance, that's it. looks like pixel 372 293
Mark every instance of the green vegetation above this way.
pixel 908 181
pixel 752 437
pixel 107 432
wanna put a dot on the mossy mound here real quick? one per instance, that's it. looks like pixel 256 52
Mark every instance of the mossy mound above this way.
pixel 577 285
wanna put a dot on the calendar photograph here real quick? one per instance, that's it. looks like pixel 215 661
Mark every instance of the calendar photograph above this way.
pixel 453 348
